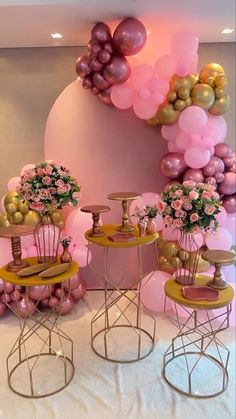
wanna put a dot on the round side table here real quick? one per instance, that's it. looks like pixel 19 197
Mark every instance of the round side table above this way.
pixel 197 358
pixel 121 311
pixel 41 372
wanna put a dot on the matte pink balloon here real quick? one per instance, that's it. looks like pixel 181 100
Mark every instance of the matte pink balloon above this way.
pixel 170 132
pixel 229 203
pixel 196 158
pixel 157 98
pixel 221 216
pixel 211 130
pixel 105 97
pixel 223 150
pixel 219 240
pixel 117 71
pixel 141 74
pixel 25 307
pixel 158 85
pixel 101 32
pixel 194 174
pixel 152 293
pixel 82 67
pixel 144 109
pixel 183 140
pixel 65 306
pixel 165 66
pixel 82 256
pixel 77 223
pixel 79 291
pixel 71 283
pixel 228 186
pixel 130 36
pixel 219 177
pixel 13 183
pixel 28 166
pixel 40 292
pixel 144 93
pixel 192 119
pixel 172 165
pixel 3 309
pixel 169 234
pixel 220 123
pixel 173 148
pixel 184 43
pixel 122 96
pixel 100 82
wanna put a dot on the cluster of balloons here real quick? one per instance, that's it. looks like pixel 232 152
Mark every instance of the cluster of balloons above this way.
pixel 105 64
pixel 61 297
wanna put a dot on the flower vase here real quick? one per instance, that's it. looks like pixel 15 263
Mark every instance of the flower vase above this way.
pixel 190 254
pixel 65 256
pixel 142 225
pixel 151 226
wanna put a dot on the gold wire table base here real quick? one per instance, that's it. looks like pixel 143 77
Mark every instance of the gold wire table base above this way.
pixel 195 350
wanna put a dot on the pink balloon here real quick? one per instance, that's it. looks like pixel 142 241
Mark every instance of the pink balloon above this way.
pixel 144 109
pixel 82 68
pixel 144 93
pixel 196 158
pixel 173 148
pixel 221 217
pixel 28 166
pixel 183 141
pixel 13 183
pixel 122 96
pixel 210 180
pixel 65 306
pixel 5 298
pixel 229 203
pixel 82 256
pixel 3 309
pixel 141 74
pixel 169 234
pixel 219 240
pixel 130 36
pixel 173 165
pixel 194 174
pixel 184 43
pixel 24 307
pixel 1 285
pixel 44 303
pixel 101 32
pixel 79 291
pixel 15 295
pixel 211 130
pixel 27 241
pixel 228 186
pixel 219 122
pixel 152 293
pixel 170 132
pixel 215 165
pixel 165 66
pixel 159 222
pixel 192 119
pixel 100 82
pixel 32 251
pixel 77 223
pixel 71 283
pixel 40 292
pixel 158 85
pixel 230 226
pixel 59 293
pixel 117 71
pixel 53 302
pixel 223 150
pixel 8 287
pixel 219 177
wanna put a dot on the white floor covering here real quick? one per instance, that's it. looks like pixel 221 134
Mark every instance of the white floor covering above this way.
pixel 107 390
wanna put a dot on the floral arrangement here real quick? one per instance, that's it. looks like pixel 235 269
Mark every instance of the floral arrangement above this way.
pixel 66 241
pixel 48 186
pixel 190 207
pixel 149 211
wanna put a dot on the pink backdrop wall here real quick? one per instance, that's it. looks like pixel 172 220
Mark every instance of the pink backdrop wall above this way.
pixel 107 150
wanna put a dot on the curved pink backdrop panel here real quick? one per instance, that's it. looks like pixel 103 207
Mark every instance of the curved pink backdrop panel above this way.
pixel 106 149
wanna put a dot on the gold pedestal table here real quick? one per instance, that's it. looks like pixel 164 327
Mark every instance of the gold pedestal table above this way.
pixel 40 362
pixel 121 314
pixel 195 363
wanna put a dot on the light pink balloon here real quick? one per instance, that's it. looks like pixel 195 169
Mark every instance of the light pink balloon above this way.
pixel 27 167
pixel 140 75
pixel 59 293
pixel 3 309
pixel 173 148
pixel 219 240
pixel 192 119
pixel 79 291
pixel 77 223
pixel 13 183
pixel 144 93
pixel 5 298
pixel 169 233
pixel 165 66
pixel 144 109
pixel 159 222
pixel 27 241
pixel 15 295
pixel 219 122
pixel 53 302
pixel 157 98
pixel 183 141
pixel 122 96
pixel 196 158
pixel 195 140
pixel 44 303
pixel 211 130
pixel 8 287
pixel 24 307
pixel 184 43
pixel 152 293
pixel 40 292
pixel 182 68
pixel 170 132
pixel 222 216
pixel 160 85
pixel 82 256
pixel 32 251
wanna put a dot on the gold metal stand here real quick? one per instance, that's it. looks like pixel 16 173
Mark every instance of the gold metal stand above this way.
pixel 95 210
pixel 125 227
pixel 40 362
pixel 218 258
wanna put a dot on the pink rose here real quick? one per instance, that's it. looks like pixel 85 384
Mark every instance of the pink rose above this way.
pixel 43 193
pixel 180 214
pixel 187 205
pixel 194 217
pixel 47 180
pixel 68 187
pixel 37 206
pixel 47 170
pixel 52 190
pixel 178 193
pixel 193 195
pixel 161 206
pixel 61 189
pixel 36 198
pixel 76 195
pixel 206 195
pixel 209 187
pixel 178 223
pixel 40 171
pixel 215 195
pixel 209 209
pixel 26 187
pixel 177 204
pixel 189 184
pixel 196 230
pixel 59 183
pixel 28 175
pixel 168 220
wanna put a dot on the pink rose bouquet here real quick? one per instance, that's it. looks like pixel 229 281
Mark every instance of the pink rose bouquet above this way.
pixel 49 186
pixel 190 207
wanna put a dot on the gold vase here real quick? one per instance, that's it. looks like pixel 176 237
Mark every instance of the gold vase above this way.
pixel 66 256
pixel 151 226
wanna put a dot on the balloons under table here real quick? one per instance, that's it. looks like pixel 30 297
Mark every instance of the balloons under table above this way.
pixel 40 362
pixel 121 330
pixel 195 363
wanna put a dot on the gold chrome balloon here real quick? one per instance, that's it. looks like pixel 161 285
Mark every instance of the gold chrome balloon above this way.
pixel 23 207
pixel 203 95
pixel 210 70
pixel 32 218
pixel 220 106
pixel 17 217
pixel 169 249
pixel 219 92
pixel 194 78
pixel 176 262
pixel 11 208
pixel 172 96
pixel 167 267
pixel 221 81
pixel 60 224
pixel 162 259
pixel 183 255
pixel 11 198
pixel 188 102
pixel 177 82
pixel 183 93
pixel 3 220
pixel 179 105
pixel 56 216
pixel 167 114
pixel 210 81
pixel 153 121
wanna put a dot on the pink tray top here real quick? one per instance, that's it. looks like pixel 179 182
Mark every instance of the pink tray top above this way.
pixel 196 293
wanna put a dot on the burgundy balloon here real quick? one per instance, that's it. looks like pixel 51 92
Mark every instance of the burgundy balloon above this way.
pixel 5 298
pixel 40 292
pixel 223 150
pixel 105 96
pixel 87 83
pixel 172 165
pixel 96 65
pixel 219 177
pixel 95 49
pixel 171 183
pixel 228 186
pixel 100 82
pixel 215 165
pixel 211 180
pixel 82 67
pixel 95 90
pixel 79 291
pixel 194 174
pixel 108 47
pixel 118 70
pixel 101 33
pixel 65 306
pixel 25 307
pixel 15 295
pixel 3 308
pixel 130 36
pixel 104 56
pixel 229 203
pixel 228 161
pixel 233 167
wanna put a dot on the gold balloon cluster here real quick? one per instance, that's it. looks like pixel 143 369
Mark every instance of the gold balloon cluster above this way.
pixel 19 212
pixel 206 91
pixel 172 257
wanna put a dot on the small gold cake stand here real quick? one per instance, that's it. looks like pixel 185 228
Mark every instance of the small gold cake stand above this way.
pixel 218 258
pixel 95 210
pixel 125 227
pixel 14 232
